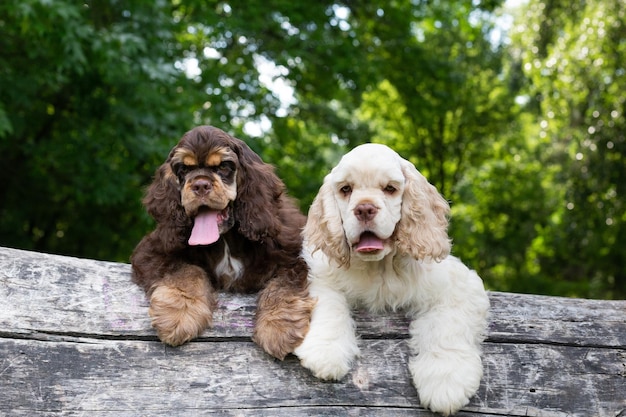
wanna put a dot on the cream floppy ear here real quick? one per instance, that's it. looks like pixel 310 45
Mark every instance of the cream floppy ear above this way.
pixel 422 230
pixel 324 229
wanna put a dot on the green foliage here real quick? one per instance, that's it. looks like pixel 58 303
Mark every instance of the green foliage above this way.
pixel 524 137
pixel 442 98
pixel 577 82
pixel 89 99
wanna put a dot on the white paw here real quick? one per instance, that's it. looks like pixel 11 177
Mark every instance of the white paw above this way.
pixel 327 360
pixel 446 381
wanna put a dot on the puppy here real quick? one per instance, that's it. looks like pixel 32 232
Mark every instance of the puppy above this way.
pixel 376 237
pixel 224 222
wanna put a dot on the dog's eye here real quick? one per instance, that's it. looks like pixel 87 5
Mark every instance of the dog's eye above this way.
pixel 226 168
pixel 181 170
pixel 390 189
pixel 345 190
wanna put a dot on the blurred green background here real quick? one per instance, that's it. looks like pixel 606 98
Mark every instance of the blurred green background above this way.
pixel 515 111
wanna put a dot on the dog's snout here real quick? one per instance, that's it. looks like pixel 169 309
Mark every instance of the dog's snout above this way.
pixel 201 187
pixel 365 212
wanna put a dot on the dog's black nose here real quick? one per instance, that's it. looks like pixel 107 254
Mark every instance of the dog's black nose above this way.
pixel 201 187
pixel 365 212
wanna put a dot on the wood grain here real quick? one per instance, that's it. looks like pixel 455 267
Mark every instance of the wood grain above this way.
pixel 75 339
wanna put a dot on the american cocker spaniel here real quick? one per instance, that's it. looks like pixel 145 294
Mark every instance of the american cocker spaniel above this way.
pixel 376 237
pixel 224 222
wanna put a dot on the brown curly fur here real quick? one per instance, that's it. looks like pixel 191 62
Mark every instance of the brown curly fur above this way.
pixel 181 280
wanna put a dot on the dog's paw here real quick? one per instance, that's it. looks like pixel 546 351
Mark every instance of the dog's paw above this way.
pixel 328 360
pixel 282 324
pixel 178 314
pixel 446 382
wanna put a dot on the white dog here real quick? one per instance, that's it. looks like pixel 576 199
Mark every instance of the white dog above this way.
pixel 376 237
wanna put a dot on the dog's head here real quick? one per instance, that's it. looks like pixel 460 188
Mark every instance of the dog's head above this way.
pixel 214 181
pixel 375 203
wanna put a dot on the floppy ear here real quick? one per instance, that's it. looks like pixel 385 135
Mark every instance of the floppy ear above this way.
pixel 422 231
pixel 259 195
pixel 162 202
pixel 324 228
pixel 162 199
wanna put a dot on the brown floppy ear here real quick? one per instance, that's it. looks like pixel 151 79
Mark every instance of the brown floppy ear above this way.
pixel 422 231
pixel 162 198
pixel 324 228
pixel 259 195
pixel 162 201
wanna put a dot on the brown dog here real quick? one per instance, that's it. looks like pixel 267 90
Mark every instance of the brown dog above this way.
pixel 224 222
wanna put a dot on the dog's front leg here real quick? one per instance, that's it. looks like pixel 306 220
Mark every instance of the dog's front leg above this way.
pixel 182 304
pixel 283 312
pixel 447 341
pixel 330 346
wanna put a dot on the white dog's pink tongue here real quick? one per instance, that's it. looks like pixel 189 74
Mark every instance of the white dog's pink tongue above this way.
pixel 369 242
pixel 205 228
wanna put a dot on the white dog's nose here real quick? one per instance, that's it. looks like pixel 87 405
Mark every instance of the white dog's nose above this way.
pixel 365 212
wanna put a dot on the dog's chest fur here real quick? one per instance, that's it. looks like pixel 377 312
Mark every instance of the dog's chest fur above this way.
pixel 389 284
pixel 229 269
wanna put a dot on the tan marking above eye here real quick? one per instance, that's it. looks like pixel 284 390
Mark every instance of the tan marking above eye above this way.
pixel 216 157
pixel 190 160
pixel 185 156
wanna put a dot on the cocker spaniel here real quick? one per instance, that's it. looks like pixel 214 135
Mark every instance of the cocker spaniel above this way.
pixel 376 237
pixel 224 222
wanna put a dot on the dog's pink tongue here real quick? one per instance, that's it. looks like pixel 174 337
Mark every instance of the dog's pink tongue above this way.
pixel 205 229
pixel 369 242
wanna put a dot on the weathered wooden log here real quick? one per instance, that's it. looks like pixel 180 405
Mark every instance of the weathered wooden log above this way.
pixel 75 339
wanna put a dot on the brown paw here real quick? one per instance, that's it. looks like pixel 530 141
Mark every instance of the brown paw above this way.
pixel 181 309
pixel 282 322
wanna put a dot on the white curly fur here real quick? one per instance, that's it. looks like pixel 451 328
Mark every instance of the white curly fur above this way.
pixel 413 271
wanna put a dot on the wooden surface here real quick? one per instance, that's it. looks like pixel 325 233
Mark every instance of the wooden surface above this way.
pixel 75 340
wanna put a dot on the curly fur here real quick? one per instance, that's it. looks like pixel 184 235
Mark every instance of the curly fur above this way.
pixel 258 248
pixel 422 231
pixel 375 192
